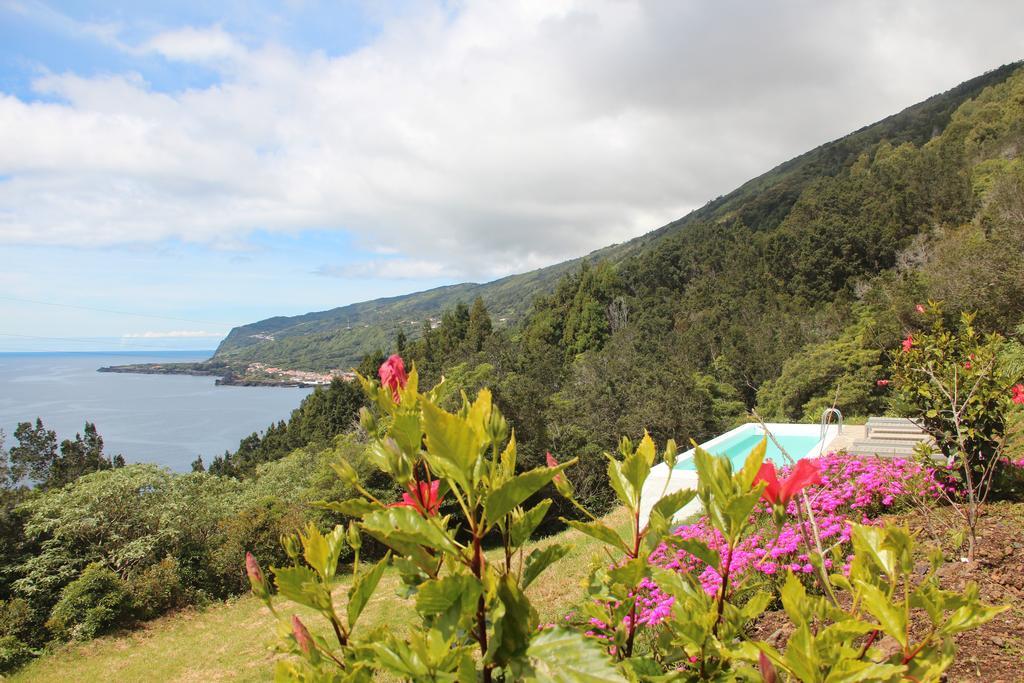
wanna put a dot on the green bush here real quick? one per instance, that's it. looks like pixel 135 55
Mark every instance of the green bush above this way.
pixel 256 528
pixel 158 589
pixel 13 653
pixel 20 630
pixel 96 602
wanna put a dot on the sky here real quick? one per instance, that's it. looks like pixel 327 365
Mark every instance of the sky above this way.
pixel 170 170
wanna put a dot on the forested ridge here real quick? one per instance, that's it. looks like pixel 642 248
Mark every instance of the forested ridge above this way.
pixel 784 296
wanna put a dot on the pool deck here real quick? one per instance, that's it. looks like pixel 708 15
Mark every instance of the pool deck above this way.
pixel 845 438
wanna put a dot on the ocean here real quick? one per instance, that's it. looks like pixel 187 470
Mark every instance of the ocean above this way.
pixel 162 419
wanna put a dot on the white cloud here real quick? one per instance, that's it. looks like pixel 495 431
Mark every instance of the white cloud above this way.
pixel 196 45
pixel 173 334
pixel 500 138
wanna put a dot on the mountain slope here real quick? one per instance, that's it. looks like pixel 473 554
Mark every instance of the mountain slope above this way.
pixel 341 336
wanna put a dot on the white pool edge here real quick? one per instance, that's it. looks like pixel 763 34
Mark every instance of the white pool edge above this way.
pixel 659 482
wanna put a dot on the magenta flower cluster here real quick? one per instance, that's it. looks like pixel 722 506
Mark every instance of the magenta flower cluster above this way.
pixel 852 489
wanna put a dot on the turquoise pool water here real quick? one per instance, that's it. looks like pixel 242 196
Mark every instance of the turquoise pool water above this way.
pixel 737 448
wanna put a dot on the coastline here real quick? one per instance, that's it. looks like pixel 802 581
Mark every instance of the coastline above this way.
pixel 225 374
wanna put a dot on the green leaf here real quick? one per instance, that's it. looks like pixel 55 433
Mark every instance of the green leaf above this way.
pixel 857 671
pixel 362 590
pixel 752 464
pixel 673 502
pixel 801 657
pixel 625 492
pixel 600 532
pixel 452 439
pixel 302 585
pixel 438 595
pixel 506 497
pixel 523 528
pixel 795 600
pixel 541 559
pixel 513 628
pixel 891 618
pixel 404 524
pixel 630 573
pixel 322 552
pixel 562 656
pixel 637 466
pixel 353 507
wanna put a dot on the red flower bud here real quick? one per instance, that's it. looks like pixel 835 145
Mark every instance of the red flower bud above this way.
pixel 302 636
pixel 768 672
pixel 1017 394
pixel 908 343
pixel 252 568
pixel 882 382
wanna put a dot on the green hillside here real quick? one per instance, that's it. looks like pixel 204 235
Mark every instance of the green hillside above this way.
pixel 340 337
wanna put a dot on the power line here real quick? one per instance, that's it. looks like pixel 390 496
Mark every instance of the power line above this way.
pixel 107 310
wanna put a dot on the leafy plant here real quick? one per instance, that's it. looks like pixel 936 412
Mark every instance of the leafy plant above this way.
pixel 959 386
pixel 475 620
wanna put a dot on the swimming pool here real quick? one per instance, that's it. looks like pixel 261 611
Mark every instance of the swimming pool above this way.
pixel 799 440
pixel 797 445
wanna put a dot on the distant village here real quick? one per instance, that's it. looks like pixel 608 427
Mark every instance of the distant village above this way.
pixel 304 377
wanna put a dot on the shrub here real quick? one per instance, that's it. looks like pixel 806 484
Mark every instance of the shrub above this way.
pixel 19 631
pixel 13 653
pixel 96 602
pixel 158 589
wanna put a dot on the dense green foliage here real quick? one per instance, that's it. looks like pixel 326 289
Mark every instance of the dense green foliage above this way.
pixel 171 540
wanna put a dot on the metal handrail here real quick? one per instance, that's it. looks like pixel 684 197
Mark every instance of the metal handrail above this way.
pixel 826 421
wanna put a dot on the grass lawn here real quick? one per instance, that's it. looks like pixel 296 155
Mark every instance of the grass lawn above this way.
pixel 232 641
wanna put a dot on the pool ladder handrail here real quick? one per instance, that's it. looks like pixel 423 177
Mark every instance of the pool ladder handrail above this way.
pixel 826 422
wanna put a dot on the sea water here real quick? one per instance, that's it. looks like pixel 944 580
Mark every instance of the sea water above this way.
pixel 163 419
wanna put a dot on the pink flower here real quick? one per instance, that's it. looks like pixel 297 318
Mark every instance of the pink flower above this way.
pixel 780 493
pixel 919 308
pixel 882 382
pixel 302 636
pixel 967 365
pixel 422 497
pixel 1018 394
pixel 392 375
pixel 908 343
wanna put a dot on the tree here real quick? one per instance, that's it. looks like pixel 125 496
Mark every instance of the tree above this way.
pixel 479 327
pixel 401 342
pixel 36 453
pixel 197 464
